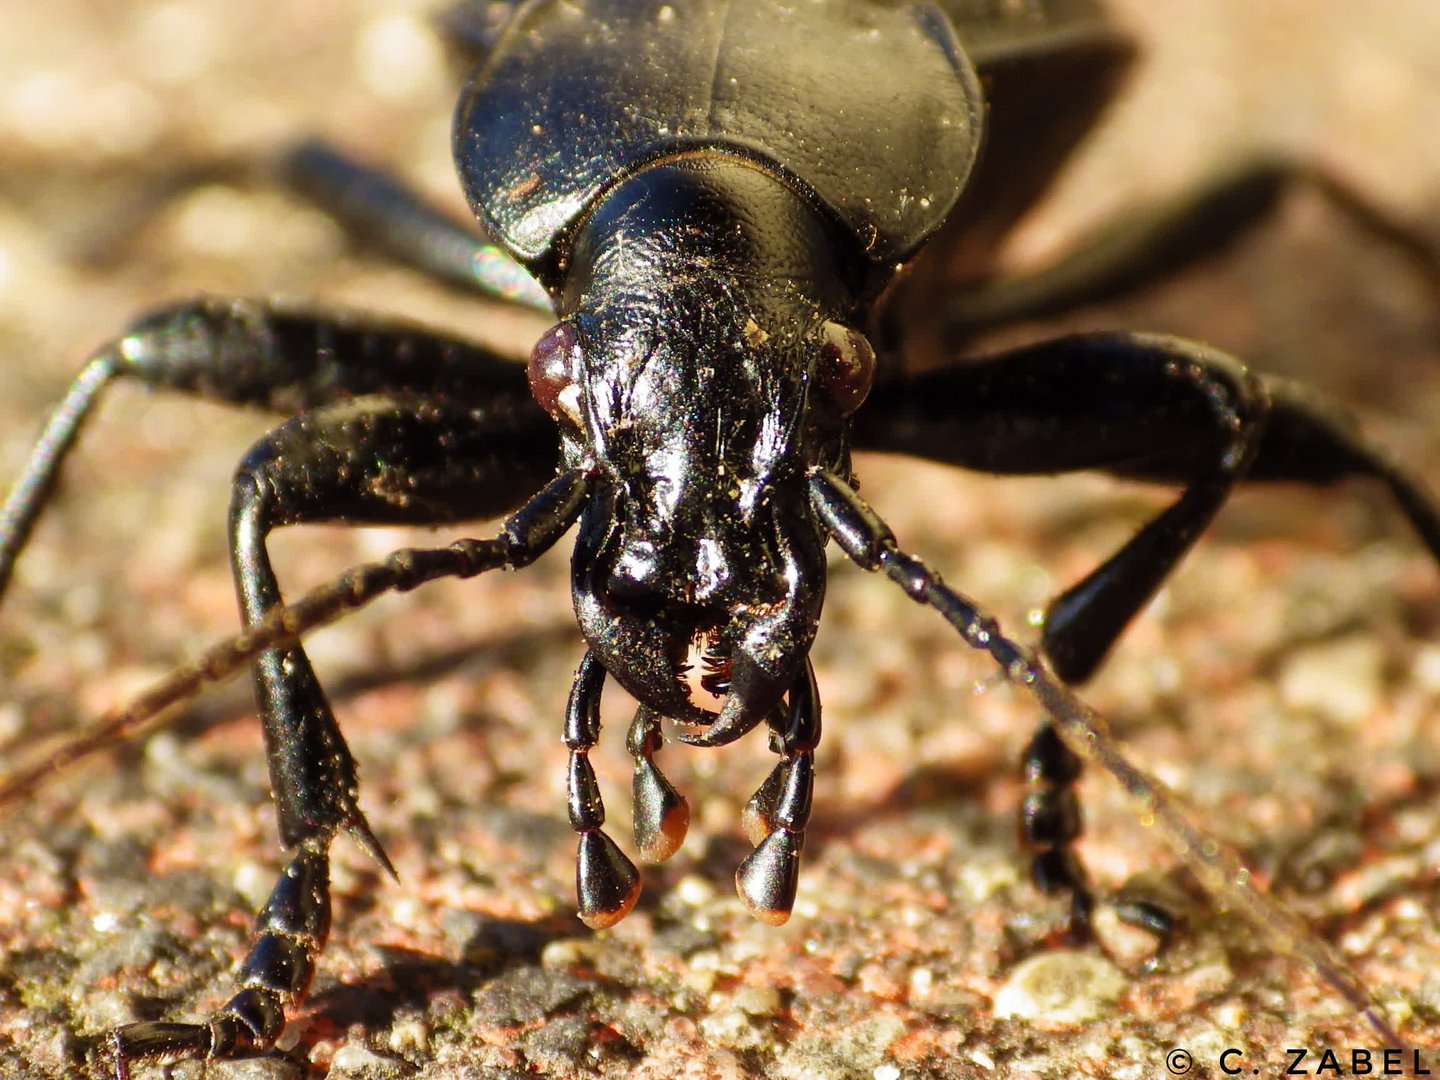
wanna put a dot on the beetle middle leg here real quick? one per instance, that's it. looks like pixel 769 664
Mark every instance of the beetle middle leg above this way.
pixel 1141 247
pixel 385 214
pixel 1138 406
pixel 376 459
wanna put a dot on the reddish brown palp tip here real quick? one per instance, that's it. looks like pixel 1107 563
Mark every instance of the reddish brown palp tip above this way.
pixel 756 823
pixel 666 839
pixel 606 882
pixel 758 817
pixel 767 879
pixel 662 816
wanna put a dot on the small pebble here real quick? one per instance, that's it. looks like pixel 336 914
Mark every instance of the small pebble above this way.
pixel 1060 987
pixel 1341 680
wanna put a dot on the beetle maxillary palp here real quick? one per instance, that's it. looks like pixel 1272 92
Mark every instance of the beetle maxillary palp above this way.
pixel 777 814
pixel 661 814
pixel 606 882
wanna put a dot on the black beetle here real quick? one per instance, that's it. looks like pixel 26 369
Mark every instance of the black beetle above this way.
pixel 798 611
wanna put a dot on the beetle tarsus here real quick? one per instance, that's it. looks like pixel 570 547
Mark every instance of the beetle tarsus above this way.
pixel 157 1041
pixel 1050 822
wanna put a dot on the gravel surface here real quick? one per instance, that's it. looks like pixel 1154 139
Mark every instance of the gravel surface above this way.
pixel 1283 682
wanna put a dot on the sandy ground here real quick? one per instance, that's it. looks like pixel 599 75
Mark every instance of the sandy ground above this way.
pixel 1284 681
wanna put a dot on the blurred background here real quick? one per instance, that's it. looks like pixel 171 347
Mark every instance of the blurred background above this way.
pixel 1284 682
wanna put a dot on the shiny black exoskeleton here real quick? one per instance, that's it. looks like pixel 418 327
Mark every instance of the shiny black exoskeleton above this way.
pixel 726 205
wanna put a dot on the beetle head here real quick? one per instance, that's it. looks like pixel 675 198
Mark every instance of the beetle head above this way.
pixel 700 371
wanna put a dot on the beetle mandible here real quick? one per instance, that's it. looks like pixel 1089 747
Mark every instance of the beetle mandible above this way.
pixel 658 585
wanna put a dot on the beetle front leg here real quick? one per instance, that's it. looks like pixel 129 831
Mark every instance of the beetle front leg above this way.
pixel 293 925
pixel 373 459
pixel 1139 406
pixel 290 932
pixel 1103 398
pixel 1143 406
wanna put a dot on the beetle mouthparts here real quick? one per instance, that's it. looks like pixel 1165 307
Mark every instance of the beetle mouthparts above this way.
pixel 705 673
pixel 752 693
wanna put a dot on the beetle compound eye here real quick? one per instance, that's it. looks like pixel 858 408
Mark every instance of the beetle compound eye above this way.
pixel 554 373
pixel 847 366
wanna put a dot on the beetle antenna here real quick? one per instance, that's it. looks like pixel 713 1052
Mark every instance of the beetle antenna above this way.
pixel 1217 866
pixel 526 535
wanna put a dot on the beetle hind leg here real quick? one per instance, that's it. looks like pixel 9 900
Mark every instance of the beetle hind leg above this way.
pixel 384 214
pixel 1142 246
